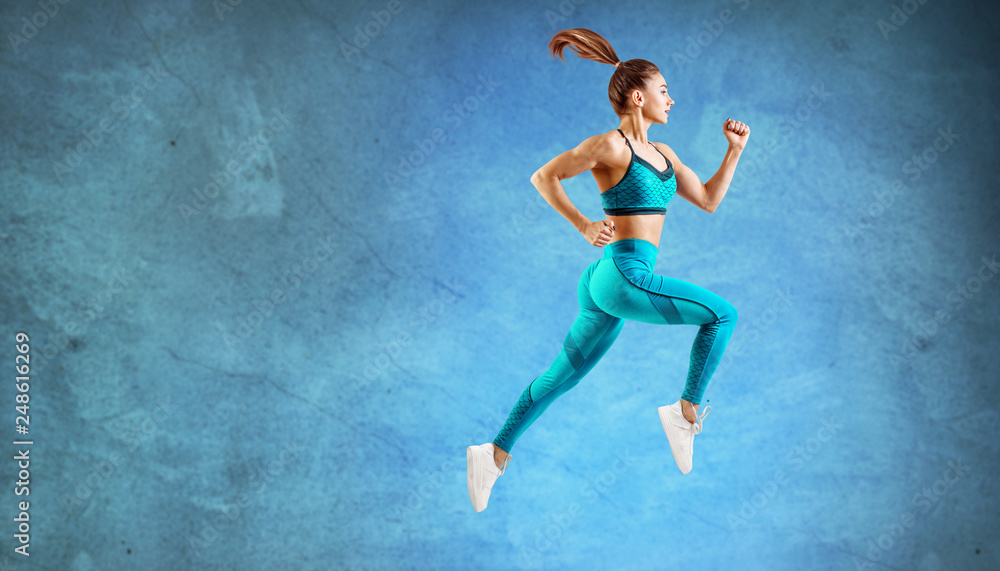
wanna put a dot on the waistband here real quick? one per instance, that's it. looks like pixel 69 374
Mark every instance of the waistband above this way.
pixel 635 249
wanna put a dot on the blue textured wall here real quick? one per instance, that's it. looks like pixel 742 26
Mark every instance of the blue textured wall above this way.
pixel 280 366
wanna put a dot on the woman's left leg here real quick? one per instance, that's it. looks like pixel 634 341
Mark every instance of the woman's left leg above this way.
pixel 627 288
pixel 682 302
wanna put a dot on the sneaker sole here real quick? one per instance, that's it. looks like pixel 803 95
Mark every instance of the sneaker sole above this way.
pixel 668 427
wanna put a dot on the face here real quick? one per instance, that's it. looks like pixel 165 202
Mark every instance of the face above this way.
pixel 658 102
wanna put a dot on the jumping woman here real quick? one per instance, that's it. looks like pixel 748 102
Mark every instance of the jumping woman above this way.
pixel 637 179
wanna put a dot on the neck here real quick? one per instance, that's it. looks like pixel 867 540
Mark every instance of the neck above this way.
pixel 635 129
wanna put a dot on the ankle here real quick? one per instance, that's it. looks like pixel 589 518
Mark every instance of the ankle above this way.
pixel 689 410
pixel 499 456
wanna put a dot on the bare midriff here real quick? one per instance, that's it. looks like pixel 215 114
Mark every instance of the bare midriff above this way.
pixel 642 226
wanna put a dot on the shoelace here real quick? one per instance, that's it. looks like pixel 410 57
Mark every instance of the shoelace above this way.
pixel 696 427
pixel 503 466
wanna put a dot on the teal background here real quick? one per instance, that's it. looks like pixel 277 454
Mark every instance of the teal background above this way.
pixel 280 367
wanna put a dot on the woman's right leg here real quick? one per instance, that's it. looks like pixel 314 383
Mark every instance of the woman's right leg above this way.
pixel 627 287
pixel 589 338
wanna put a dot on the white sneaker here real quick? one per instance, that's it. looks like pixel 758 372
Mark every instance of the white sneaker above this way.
pixel 681 433
pixel 483 473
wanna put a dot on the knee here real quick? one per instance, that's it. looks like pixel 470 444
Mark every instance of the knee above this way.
pixel 729 314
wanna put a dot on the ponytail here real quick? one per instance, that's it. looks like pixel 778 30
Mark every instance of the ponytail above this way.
pixel 585 43
pixel 627 77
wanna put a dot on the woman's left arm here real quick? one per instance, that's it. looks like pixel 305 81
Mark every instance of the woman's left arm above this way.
pixel 707 196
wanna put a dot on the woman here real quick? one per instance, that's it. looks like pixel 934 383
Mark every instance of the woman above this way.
pixel 637 179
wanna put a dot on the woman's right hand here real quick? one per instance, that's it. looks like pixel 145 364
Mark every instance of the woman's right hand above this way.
pixel 599 232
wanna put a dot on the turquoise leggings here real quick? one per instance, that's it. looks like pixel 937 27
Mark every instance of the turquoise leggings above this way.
pixel 621 285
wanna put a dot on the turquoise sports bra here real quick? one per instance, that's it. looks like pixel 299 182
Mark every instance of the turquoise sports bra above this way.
pixel 642 190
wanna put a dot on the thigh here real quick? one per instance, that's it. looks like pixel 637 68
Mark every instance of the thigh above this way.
pixel 686 303
pixel 656 299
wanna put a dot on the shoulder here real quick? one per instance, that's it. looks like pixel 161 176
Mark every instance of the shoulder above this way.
pixel 606 148
pixel 666 150
pixel 603 141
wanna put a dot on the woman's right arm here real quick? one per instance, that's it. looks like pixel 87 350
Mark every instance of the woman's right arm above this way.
pixel 567 165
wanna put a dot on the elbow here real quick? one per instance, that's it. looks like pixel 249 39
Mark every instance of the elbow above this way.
pixel 709 205
pixel 538 178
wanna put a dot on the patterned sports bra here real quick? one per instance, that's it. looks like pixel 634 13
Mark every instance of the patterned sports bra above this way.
pixel 642 190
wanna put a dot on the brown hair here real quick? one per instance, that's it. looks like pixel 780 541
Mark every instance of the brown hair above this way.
pixel 630 75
